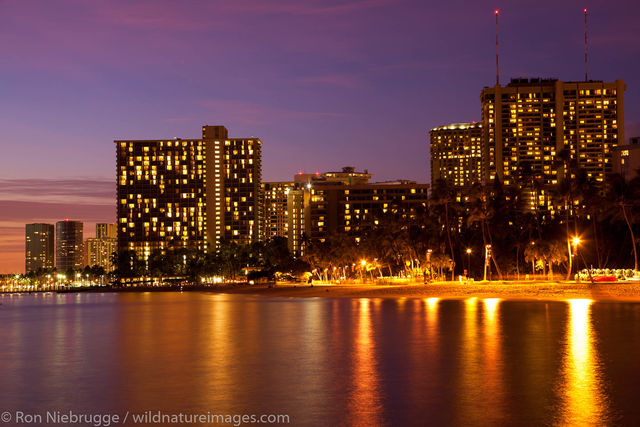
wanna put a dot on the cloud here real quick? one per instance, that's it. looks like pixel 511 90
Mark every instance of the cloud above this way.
pixel 178 119
pixel 77 191
pixel 339 80
pixel 172 16
pixel 251 113
pixel 296 7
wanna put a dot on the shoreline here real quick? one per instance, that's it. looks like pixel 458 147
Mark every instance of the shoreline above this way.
pixel 502 290
pixel 442 290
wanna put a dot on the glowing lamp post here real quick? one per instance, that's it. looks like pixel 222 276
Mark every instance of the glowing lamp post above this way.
pixel 468 262
pixel 487 258
pixel 575 241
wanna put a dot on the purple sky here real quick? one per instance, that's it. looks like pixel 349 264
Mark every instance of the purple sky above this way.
pixel 324 84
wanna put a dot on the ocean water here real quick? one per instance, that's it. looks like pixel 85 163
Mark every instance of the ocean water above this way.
pixel 322 361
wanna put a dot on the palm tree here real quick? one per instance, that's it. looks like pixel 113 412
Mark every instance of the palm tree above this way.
pixel 536 252
pixel 594 206
pixel 621 195
pixel 555 255
pixel 483 211
pixel 443 195
pixel 441 262
pixel 569 193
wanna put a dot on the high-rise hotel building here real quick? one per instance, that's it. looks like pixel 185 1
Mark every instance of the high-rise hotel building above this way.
pixel 276 213
pixel 69 245
pixel 345 202
pixel 39 246
pixel 188 193
pixel 99 250
pixel 527 123
pixel 456 154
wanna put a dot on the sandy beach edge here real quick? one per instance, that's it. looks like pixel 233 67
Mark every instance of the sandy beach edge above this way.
pixel 547 291
pixel 448 290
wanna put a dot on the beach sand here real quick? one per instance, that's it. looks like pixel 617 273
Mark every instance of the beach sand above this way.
pixel 450 290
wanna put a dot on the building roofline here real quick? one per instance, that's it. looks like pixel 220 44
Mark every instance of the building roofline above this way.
pixel 186 139
pixel 458 126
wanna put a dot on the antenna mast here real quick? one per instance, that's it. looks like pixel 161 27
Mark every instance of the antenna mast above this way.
pixel 585 46
pixel 497 67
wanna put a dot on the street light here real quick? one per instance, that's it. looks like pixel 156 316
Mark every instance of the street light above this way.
pixel 576 242
pixel 468 262
pixel 487 258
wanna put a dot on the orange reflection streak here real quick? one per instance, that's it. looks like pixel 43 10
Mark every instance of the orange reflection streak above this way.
pixel 220 354
pixel 492 360
pixel 582 389
pixel 432 307
pixel 470 378
pixel 432 323
pixel 422 355
pixel 364 403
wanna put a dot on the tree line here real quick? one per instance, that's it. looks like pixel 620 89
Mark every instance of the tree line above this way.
pixel 230 260
pixel 590 225
pixel 446 237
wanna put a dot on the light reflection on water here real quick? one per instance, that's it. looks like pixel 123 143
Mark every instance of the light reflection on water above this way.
pixel 582 386
pixel 364 401
pixel 324 361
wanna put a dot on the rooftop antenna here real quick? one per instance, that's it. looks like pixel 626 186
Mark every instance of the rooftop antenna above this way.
pixel 585 46
pixel 497 12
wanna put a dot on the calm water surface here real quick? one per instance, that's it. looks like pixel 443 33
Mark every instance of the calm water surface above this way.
pixel 324 361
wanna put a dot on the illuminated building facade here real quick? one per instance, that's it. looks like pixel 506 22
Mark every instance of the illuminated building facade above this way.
pixel 627 159
pixel 527 123
pixel 99 250
pixel 106 231
pixel 298 211
pixel 276 213
pixel 456 154
pixel 188 193
pixel 39 246
pixel 242 191
pixel 69 248
pixel 347 176
pixel 323 208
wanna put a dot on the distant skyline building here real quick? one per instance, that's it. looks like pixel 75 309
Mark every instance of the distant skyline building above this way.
pixel 39 246
pixel 106 231
pixel 456 154
pixel 188 193
pixel 69 245
pixel 99 250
